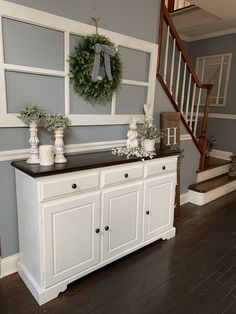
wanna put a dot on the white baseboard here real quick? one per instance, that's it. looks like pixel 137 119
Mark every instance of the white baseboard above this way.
pixel 184 198
pixel 9 265
pixel 221 154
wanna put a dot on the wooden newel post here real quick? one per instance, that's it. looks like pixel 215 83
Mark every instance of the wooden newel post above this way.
pixel 202 138
pixel 171 5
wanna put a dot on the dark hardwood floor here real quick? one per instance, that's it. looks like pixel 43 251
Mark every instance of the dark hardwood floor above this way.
pixel 193 273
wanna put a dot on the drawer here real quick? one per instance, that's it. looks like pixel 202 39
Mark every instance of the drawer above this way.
pixel 62 186
pixel 159 166
pixel 121 174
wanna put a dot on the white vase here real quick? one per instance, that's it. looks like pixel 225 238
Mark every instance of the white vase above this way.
pixel 149 145
pixel 34 142
pixel 59 146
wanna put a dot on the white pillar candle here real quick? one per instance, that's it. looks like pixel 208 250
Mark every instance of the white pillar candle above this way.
pixel 46 155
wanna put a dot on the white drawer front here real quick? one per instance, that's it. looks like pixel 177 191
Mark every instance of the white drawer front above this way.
pixel 160 166
pixel 71 184
pixel 121 174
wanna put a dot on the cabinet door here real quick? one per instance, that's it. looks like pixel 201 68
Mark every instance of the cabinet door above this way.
pixel 122 215
pixel 71 243
pixel 158 205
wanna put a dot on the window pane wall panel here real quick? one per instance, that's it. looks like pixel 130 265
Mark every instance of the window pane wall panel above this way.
pixel 130 99
pixel 34 46
pixel 135 64
pixel 78 105
pixel 47 91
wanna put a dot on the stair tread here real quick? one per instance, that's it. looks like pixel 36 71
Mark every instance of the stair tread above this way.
pixel 211 184
pixel 212 162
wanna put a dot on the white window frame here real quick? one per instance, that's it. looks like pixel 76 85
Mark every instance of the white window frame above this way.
pixel 68 26
pixel 203 59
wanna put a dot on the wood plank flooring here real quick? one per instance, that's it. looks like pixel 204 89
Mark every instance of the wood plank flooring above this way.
pixel 193 273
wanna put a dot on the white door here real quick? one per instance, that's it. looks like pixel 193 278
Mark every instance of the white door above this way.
pixel 71 236
pixel 122 219
pixel 158 205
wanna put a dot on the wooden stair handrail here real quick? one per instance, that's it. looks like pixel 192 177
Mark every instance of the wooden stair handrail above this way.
pixel 181 47
pixel 201 145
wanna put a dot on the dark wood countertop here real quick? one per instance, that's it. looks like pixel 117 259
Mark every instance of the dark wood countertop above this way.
pixel 82 161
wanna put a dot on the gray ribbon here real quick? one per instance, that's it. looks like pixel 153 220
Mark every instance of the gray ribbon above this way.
pixel 107 51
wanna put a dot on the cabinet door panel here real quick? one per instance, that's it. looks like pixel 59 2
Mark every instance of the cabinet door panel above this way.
pixel 158 206
pixel 72 244
pixel 122 210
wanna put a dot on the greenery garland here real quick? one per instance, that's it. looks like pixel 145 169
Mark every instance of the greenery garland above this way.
pixel 81 66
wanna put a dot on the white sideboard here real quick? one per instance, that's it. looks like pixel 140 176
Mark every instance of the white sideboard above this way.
pixel 71 224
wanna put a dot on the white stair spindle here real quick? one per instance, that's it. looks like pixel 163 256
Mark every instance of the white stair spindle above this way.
pixel 177 83
pixel 176 5
pixel 197 111
pixel 192 107
pixel 183 88
pixel 172 67
pixel 219 82
pixel 166 53
pixel 188 96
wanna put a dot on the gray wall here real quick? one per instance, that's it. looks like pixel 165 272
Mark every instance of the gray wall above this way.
pixel 131 17
pixel 222 129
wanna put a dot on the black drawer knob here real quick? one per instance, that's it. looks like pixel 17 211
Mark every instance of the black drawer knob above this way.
pixel 126 175
pixel 74 186
pixel 163 167
pixel 106 228
pixel 147 212
pixel 97 230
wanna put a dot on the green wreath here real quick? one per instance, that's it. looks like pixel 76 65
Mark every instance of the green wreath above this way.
pixel 81 70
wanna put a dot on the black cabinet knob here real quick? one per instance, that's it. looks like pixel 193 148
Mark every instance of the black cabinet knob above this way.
pixel 74 186
pixel 163 167
pixel 97 230
pixel 147 212
pixel 126 175
pixel 106 228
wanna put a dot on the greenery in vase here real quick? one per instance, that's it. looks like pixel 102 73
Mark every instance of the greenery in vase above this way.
pixel 31 113
pixel 56 120
pixel 150 131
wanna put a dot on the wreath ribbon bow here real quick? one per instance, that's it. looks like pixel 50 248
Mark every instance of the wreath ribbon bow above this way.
pixel 107 51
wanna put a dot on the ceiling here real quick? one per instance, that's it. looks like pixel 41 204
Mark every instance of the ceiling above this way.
pixel 208 18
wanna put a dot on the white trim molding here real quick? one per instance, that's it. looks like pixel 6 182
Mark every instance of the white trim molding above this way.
pixel 72 148
pixel 226 116
pixel 9 155
pixel 185 137
pixel 184 198
pixel 221 154
pixel 9 265
pixel 209 35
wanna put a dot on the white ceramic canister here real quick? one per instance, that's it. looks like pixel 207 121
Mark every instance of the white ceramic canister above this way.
pixel 46 155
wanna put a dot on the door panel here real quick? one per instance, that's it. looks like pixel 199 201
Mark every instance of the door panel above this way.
pixel 158 206
pixel 71 243
pixel 122 209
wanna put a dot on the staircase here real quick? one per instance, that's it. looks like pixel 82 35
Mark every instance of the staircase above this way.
pixel 181 84
pixel 213 182
pixel 186 92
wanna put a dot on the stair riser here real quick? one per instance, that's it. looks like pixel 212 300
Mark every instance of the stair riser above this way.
pixel 200 199
pixel 212 173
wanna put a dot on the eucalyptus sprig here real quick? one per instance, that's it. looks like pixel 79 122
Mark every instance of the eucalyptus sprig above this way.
pixel 56 120
pixel 31 113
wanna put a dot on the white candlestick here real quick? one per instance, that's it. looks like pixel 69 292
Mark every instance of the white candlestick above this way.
pixel 34 142
pixel 46 155
pixel 59 146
